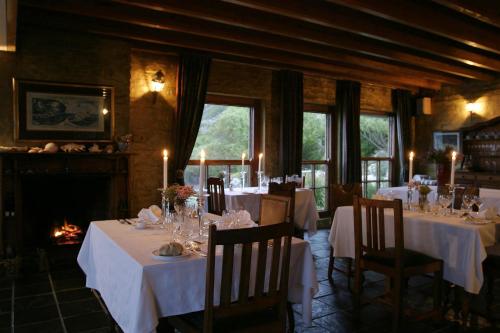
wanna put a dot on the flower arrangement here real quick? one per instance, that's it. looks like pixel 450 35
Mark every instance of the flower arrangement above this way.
pixel 178 194
pixel 440 156
pixel 424 190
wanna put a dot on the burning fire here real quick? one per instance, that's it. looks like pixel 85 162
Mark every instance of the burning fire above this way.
pixel 67 233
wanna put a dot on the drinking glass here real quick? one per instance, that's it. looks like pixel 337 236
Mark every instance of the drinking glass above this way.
pixel 467 201
pixel 444 201
pixel 477 201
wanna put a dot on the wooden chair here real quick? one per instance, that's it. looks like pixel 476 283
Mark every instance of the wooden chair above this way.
pixel 273 209
pixel 217 198
pixel 265 311
pixel 491 268
pixel 287 190
pixel 395 262
pixel 342 195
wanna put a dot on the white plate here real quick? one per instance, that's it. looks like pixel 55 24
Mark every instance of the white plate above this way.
pixel 477 221
pixel 184 255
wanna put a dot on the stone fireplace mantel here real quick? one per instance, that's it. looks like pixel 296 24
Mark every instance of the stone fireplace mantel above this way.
pixel 19 170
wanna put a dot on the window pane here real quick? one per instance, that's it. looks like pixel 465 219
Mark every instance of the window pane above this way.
pixel 370 189
pixel 321 198
pixel 224 132
pixel 307 173
pixel 370 173
pixel 375 136
pixel 236 176
pixel 320 175
pixel 384 170
pixel 314 136
pixel 219 171
pixel 192 175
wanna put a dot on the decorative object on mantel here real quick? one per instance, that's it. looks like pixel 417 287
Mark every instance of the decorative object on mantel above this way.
pixel 35 150
pixel 73 148
pixel 95 148
pixel 63 112
pixel 442 159
pixel 123 142
pixel 109 149
pixel 4 149
pixel 51 147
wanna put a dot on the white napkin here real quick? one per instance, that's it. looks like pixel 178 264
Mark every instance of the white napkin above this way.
pixel 151 214
pixel 244 217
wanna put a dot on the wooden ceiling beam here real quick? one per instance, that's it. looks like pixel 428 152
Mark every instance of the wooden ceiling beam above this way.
pixel 486 11
pixel 283 26
pixel 157 20
pixel 339 17
pixel 432 18
pixel 214 46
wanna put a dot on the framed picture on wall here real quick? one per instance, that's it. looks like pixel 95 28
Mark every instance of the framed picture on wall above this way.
pixel 53 111
pixel 443 139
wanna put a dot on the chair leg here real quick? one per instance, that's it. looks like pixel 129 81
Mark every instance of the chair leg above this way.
pixel 291 318
pixel 397 304
pixel 331 264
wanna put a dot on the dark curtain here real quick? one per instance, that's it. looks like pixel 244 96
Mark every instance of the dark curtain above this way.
pixel 347 100
pixel 291 111
pixel 403 105
pixel 192 90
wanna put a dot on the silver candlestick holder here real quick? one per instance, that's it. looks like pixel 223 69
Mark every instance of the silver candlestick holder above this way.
pixel 199 209
pixel 409 197
pixel 259 179
pixel 452 194
pixel 243 173
pixel 165 204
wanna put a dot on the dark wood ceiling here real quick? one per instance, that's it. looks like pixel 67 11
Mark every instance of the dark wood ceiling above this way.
pixel 402 43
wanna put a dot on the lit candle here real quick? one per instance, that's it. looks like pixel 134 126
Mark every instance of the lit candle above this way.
pixel 410 173
pixel 165 168
pixel 202 171
pixel 242 161
pixel 452 177
pixel 260 163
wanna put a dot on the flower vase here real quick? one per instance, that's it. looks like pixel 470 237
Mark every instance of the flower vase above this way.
pixel 423 203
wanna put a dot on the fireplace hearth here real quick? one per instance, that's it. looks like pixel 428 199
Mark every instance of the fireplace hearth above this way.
pixel 48 200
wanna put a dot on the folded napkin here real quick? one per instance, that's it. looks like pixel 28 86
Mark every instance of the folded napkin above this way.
pixel 151 214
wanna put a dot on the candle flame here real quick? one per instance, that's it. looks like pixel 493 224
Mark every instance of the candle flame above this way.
pixel 202 155
pixel 260 155
pixel 412 154
pixel 453 155
pixel 165 153
pixel 243 156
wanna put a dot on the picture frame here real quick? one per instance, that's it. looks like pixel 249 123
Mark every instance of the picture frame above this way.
pixel 441 139
pixel 55 111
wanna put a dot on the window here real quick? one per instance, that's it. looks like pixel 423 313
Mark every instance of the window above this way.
pixel 227 130
pixel 316 154
pixel 376 152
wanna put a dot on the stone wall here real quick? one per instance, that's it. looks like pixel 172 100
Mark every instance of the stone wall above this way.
pixel 151 123
pixel 449 114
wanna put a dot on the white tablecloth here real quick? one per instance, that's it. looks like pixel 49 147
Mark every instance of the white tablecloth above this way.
pixel 306 214
pixel 461 246
pixel 138 289
pixel 490 197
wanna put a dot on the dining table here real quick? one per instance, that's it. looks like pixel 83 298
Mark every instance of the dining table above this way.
pixel 452 238
pixel 489 197
pixel 138 288
pixel 248 198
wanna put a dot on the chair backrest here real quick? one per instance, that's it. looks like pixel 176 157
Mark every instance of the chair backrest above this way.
pixel 285 190
pixel 373 226
pixel 271 295
pixel 216 198
pixel 343 194
pixel 273 209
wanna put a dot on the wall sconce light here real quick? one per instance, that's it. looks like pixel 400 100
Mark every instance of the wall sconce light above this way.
pixel 157 84
pixel 471 108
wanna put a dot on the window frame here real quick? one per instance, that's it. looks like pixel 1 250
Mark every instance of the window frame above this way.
pixel 378 160
pixel 255 134
pixel 329 158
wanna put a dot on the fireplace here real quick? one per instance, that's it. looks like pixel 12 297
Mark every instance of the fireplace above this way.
pixel 48 200
pixel 55 208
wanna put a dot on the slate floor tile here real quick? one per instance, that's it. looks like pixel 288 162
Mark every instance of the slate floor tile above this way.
pixel 52 326
pixel 86 322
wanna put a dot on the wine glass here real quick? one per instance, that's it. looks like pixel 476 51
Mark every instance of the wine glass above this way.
pixel 444 201
pixel 476 200
pixel 467 201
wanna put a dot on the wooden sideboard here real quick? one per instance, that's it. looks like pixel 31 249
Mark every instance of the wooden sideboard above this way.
pixel 481 149
pixel 18 168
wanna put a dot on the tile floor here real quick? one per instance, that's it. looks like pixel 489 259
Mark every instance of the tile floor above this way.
pixel 57 301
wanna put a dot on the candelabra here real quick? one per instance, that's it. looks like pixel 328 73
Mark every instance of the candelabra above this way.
pixel 409 197
pixel 243 180
pixel 452 194
pixel 200 207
